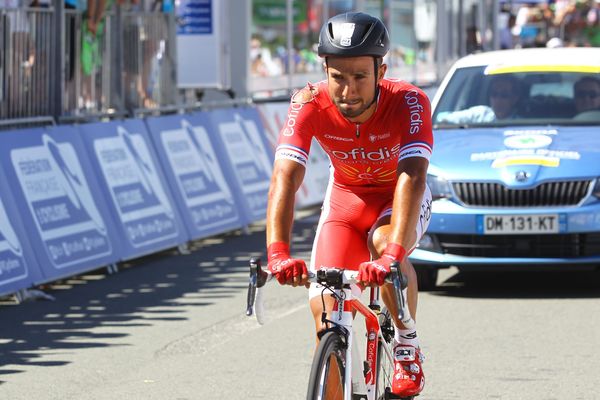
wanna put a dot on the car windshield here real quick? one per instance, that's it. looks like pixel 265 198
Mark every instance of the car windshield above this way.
pixel 481 96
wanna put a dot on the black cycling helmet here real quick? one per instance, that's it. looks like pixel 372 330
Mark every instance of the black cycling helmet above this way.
pixel 353 34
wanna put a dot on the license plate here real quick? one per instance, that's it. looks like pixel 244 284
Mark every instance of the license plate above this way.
pixel 527 224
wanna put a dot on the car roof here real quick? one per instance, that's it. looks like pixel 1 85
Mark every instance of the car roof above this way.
pixel 575 56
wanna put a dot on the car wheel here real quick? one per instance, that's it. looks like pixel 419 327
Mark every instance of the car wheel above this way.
pixel 426 278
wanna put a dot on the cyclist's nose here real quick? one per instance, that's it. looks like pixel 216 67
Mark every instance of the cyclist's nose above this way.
pixel 349 89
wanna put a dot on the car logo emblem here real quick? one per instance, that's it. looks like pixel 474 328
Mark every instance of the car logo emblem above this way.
pixel 521 176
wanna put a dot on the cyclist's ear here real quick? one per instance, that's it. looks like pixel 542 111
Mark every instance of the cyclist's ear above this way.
pixel 381 72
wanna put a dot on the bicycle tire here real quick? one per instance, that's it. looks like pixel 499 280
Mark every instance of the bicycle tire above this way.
pixel 332 347
pixel 385 366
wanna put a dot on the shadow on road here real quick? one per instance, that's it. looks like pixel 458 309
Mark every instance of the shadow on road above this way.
pixel 146 290
pixel 521 284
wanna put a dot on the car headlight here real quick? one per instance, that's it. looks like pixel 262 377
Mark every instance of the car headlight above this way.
pixel 440 188
pixel 596 191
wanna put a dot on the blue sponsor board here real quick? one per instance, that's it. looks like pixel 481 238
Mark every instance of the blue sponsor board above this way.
pixel 200 186
pixel 134 187
pixel 70 230
pixel 246 150
pixel 18 268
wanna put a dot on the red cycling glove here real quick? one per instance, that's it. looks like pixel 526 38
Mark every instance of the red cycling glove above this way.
pixel 375 271
pixel 282 265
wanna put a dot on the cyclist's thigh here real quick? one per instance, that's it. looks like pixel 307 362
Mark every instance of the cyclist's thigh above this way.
pixel 341 237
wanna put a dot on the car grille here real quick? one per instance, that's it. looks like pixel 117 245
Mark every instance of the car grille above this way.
pixel 522 246
pixel 568 193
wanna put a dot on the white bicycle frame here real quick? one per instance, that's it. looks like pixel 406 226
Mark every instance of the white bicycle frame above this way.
pixel 342 316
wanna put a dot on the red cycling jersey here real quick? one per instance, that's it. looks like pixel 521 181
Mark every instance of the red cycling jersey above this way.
pixel 364 158
pixel 364 154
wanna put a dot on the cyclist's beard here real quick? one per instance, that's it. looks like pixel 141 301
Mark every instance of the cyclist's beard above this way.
pixel 354 112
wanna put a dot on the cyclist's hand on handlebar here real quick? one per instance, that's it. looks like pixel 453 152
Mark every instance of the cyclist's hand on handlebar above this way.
pixel 373 273
pixel 287 270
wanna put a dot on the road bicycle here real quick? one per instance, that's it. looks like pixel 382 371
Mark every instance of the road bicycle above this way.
pixel 334 372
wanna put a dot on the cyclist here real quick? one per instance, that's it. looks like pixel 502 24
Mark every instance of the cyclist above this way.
pixel 377 133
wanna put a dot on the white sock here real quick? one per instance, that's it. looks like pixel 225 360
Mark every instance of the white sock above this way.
pixel 406 336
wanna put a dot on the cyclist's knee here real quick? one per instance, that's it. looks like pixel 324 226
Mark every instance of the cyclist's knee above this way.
pixel 378 239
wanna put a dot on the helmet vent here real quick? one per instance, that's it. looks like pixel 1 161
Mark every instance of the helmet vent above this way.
pixel 366 31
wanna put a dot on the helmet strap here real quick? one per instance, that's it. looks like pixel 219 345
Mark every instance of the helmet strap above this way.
pixel 375 68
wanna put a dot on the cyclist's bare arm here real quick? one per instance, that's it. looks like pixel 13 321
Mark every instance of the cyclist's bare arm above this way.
pixel 412 178
pixel 285 181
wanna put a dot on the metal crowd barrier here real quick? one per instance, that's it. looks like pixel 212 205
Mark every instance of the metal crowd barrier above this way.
pixel 26 62
pixel 128 65
pixel 148 58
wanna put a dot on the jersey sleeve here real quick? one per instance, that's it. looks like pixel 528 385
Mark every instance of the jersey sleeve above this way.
pixel 418 134
pixel 298 130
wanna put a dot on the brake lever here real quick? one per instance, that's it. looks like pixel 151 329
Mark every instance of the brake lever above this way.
pixel 400 283
pixel 255 299
pixel 255 281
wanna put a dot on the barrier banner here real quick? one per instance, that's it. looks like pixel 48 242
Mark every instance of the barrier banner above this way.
pixel 47 171
pixel 18 268
pixel 314 186
pixel 190 160
pixel 134 187
pixel 244 145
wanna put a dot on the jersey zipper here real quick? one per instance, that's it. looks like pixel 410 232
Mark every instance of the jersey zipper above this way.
pixel 357 131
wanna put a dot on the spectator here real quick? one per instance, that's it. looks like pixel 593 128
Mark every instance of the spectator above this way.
pixel 507 40
pixel 257 64
pixel 578 23
pixel 91 35
pixel 587 94
pixel 591 31
pixel 258 67
pixel 504 95
pixel 19 55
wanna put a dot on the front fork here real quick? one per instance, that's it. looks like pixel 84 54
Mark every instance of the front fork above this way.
pixel 343 316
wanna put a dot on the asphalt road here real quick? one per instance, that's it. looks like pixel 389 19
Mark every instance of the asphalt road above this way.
pixel 173 327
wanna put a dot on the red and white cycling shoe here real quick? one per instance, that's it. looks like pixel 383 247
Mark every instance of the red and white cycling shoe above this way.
pixel 408 373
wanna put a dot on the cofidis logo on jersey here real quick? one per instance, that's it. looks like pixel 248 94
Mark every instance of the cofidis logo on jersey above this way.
pixel 415 109
pixel 358 154
pixel 288 129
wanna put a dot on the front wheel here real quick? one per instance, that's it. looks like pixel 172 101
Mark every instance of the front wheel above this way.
pixel 385 360
pixel 326 380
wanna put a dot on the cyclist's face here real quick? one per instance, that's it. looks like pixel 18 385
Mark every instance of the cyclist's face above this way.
pixel 351 83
